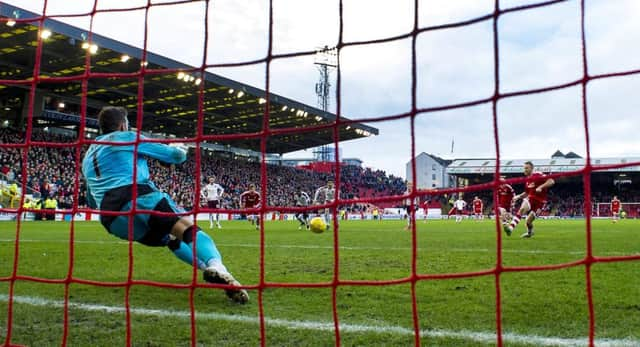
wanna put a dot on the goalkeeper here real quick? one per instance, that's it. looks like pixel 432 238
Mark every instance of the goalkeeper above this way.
pixel 108 170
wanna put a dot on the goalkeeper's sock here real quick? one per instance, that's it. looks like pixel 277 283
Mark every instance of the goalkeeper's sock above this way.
pixel 205 247
pixel 184 252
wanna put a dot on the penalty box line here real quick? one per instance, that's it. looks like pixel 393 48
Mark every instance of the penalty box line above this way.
pixel 476 336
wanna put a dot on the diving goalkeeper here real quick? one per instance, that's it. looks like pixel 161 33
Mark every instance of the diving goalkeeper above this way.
pixel 108 170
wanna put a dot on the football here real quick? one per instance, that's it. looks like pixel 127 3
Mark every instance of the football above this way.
pixel 317 225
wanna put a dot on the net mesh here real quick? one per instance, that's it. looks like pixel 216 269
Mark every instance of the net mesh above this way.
pixel 414 278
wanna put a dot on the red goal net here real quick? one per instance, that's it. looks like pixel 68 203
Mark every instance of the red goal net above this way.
pixel 265 136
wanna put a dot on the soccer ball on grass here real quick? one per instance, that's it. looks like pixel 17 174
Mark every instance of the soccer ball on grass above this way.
pixel 317 225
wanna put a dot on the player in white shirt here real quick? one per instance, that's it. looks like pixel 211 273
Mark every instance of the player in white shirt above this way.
pixel 408 202
pixel 302 199
pixel 325 195
pixel 459 205
pixel 212 192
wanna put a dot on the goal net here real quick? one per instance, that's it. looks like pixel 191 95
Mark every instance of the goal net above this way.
pixel 101 287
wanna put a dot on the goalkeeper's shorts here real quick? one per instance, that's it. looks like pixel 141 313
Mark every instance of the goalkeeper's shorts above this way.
pixel 148 229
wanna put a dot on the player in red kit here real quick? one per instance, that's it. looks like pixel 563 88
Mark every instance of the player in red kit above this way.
pixel 251 199
pixel 425 208
pixel 615 209
pixel 505 201
pixel 477 208
pixel 533 198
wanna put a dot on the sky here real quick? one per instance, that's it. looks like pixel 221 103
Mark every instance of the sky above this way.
pixel 537 48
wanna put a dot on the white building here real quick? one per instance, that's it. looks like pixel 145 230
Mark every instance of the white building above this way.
pixel 430 172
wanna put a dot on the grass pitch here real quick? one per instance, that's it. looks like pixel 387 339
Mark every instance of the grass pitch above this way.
pixel 538 308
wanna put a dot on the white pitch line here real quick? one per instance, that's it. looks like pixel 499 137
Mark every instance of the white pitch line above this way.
pixel 348 248
pixel 476 336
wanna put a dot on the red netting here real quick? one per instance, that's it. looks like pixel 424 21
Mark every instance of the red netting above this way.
pixel 267 132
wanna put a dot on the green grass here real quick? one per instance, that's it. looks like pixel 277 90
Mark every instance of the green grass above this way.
pixel 536 304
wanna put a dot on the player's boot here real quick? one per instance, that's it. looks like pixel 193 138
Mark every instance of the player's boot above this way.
pixel 213 275
pixel 219 226
pixel 507 229
pixel 528 234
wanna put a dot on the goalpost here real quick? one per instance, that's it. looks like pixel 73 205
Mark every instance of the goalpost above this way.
pixel 413 278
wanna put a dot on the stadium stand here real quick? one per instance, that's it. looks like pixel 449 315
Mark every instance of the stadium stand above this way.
pixel 51 172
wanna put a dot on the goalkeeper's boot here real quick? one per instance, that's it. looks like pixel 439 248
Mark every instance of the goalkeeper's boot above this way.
pixel 528 234
pixel 216 276
pixel 508 229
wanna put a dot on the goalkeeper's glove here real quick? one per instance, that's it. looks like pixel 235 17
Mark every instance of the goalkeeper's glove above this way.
pixel 180 146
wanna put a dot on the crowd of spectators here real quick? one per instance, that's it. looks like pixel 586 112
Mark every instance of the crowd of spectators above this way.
pixel 360 182
pixel 51 171
pixel 235 175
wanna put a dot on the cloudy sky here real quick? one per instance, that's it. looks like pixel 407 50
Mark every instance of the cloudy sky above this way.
pixel 538 48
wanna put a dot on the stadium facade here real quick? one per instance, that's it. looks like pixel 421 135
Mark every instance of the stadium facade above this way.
pixel 435 172
pixel 431 172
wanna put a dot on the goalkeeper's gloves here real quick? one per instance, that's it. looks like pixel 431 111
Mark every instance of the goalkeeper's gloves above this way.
pixel 180 146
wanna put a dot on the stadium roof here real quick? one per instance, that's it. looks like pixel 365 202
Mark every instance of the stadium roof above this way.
pixel 441 161
pixel 170 98
pixel 569 155
pixel 487 166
